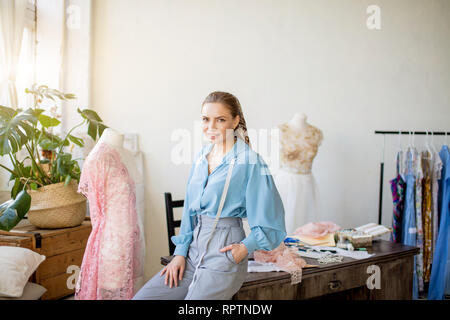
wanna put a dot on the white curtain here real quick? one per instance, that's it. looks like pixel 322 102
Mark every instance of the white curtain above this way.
pixel 12 24
pixel 76 64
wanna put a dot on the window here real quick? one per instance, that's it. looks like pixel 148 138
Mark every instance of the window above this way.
pixel 26 74
pixel 26 71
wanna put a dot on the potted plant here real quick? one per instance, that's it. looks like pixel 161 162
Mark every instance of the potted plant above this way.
pixel 46 179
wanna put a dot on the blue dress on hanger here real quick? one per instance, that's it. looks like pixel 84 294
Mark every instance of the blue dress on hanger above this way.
pixel 440 269
pixel 409 232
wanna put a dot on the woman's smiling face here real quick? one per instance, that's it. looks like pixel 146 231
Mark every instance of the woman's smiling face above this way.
pixel 217 122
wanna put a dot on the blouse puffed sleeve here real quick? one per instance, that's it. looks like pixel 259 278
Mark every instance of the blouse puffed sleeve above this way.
pixel 184 237
pixel 265 211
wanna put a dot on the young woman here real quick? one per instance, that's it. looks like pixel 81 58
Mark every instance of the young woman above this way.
pixel 227 177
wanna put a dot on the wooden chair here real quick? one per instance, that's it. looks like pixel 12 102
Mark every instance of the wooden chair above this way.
pixel 171 223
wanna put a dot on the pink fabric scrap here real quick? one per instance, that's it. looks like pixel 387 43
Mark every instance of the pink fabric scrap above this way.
pixel 317 229
pixel 283 258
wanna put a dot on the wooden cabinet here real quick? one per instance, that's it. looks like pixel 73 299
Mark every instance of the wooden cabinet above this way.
pixel 62 247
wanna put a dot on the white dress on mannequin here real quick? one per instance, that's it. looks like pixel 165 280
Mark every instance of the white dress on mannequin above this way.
pixel 299 142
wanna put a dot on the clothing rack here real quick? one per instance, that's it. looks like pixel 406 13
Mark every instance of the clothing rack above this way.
pixel 384 133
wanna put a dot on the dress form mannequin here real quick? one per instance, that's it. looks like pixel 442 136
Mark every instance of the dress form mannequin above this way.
pixel 112 265
pixel 299 142
pixel 298 122
pixel 115 140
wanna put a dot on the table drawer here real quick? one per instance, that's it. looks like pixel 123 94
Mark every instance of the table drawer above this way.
pixel 332 281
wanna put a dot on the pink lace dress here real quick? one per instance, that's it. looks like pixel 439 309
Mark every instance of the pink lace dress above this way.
pixel 113 259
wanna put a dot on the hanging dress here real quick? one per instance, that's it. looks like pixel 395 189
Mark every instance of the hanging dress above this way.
pixel 436 176
pixel 440 270
pixel 113 258
pixel 418 173
pixel 295 180
pixel 409 232
pixel 427 161
pixel 398 196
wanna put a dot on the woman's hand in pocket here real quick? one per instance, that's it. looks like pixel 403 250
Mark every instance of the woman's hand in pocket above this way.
pixel 238 251
pixel 174 270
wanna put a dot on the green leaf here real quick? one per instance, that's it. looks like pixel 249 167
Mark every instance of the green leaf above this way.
pixel 15 189
pixel 78 141
pixel 95 123
pixel 5 205
pixel 64 163
pixel 49 97
pixel 12 211
pixel 101 128
pixel 55 141
pixel 68 178
pixel 7 113
pixel 15 129
pixel 91 115
pixel 92 130
pixel 48 144
pixel 37 112
pixel 70 96
pixel 47 121
pixel 32 115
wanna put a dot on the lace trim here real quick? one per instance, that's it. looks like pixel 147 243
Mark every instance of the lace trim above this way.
pixel 298 149
pixel 285 258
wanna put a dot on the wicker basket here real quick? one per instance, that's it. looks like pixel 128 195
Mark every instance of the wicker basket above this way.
pixel 57 206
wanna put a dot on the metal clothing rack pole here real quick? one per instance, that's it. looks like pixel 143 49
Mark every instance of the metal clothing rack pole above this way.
pixel 384 133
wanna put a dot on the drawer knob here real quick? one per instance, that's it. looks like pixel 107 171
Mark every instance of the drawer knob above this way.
pixel 334 284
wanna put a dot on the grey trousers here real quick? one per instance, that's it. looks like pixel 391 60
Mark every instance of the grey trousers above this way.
pixel 218 276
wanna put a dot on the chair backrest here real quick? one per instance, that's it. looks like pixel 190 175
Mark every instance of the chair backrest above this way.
pixel 171 223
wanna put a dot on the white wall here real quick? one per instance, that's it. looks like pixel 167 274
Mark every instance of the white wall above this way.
pixel 155 61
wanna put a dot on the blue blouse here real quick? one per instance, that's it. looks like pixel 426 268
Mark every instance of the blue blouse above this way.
pixel 251 194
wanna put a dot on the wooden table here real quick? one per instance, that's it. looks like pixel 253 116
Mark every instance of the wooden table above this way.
pixel 343 280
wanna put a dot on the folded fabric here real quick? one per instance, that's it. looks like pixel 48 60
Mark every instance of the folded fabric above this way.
pixel 327 240
pixel 346 253
pixel 255 266
pixel 317 229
